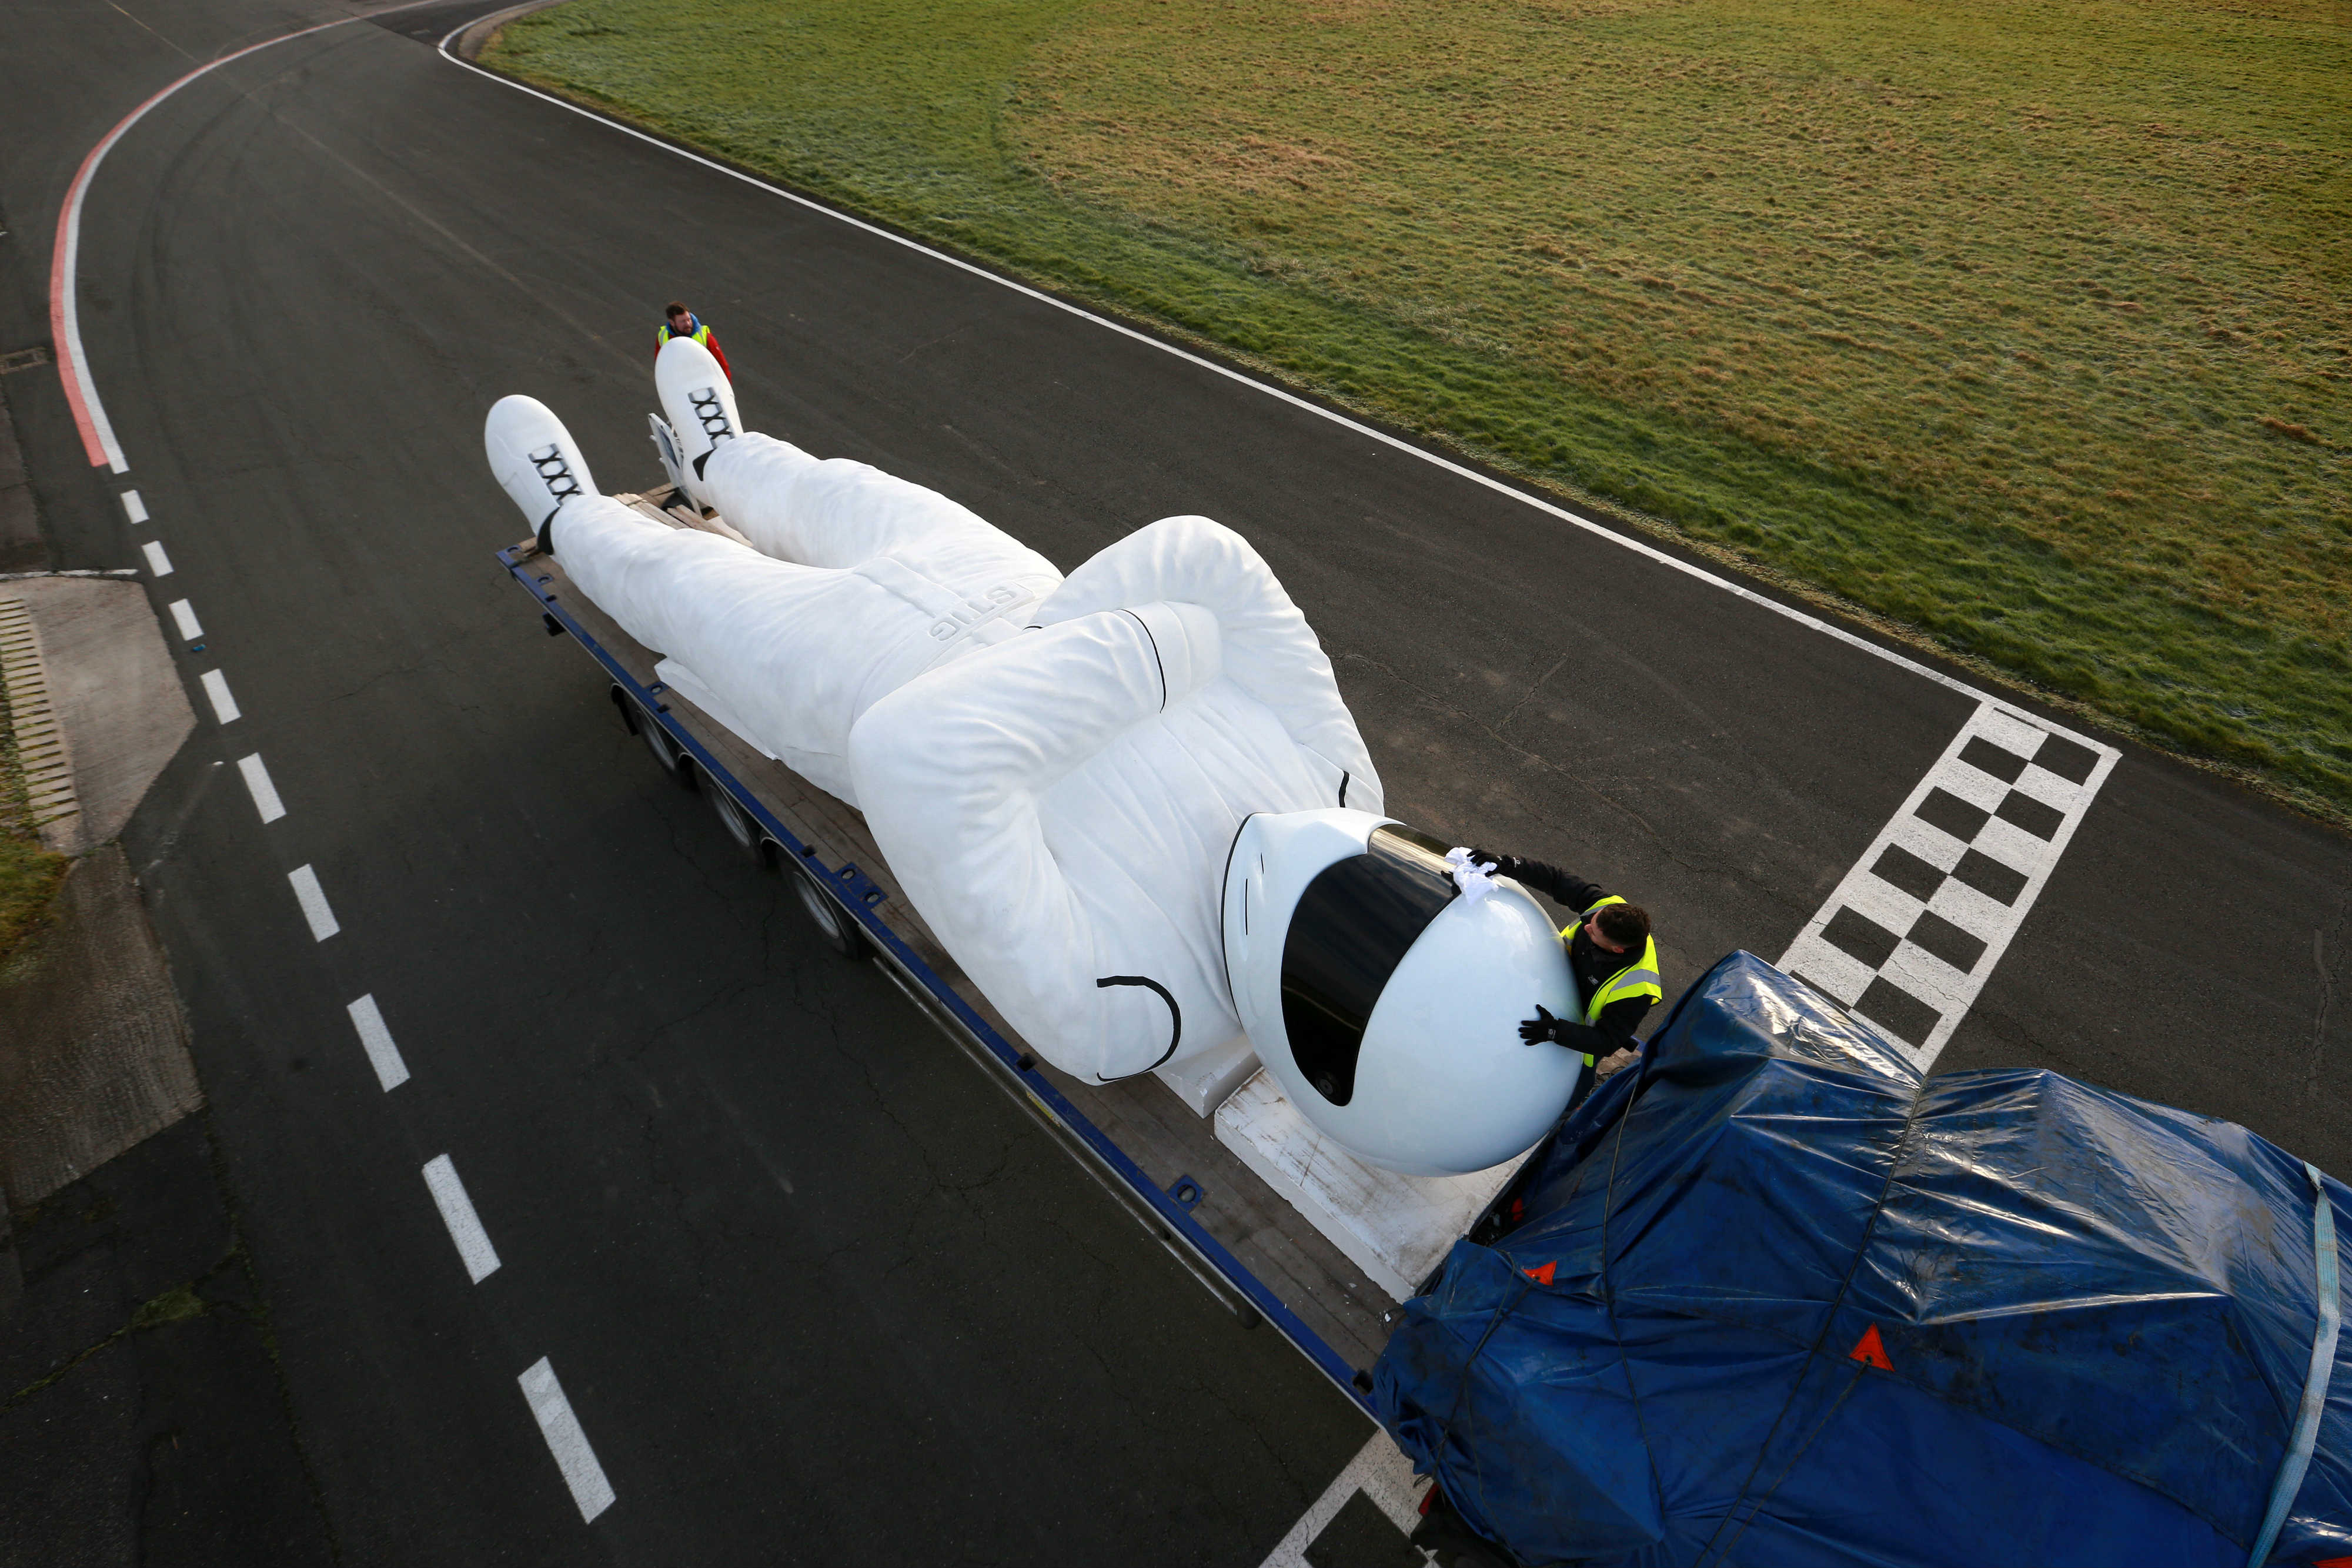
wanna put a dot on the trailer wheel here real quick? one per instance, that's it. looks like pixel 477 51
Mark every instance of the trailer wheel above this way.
pixel 841 934
pixel 741 827
pixel 645 727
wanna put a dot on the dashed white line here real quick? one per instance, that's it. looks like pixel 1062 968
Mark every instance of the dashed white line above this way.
pixel 557 1423
pixel 215 686
pixel 376 1041
pixel 465 1225
pixel 313 900
pixel 564 1438
pixel 265 793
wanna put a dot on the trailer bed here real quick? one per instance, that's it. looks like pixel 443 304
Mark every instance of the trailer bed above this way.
pixel 1236 1234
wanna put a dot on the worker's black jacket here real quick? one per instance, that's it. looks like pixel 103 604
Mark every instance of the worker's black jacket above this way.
pixel 1613 1030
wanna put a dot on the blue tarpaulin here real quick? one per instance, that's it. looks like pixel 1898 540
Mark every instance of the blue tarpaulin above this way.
pixel 1772 1297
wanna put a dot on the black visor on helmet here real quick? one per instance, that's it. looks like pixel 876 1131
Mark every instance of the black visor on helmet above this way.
pixel 1353 925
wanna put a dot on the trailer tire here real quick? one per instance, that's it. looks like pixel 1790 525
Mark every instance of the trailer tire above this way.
pixel 743 827
pixel 841 932
pixel 647 728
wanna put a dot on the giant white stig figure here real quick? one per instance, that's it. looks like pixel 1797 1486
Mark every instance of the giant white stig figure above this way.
pixel 1129 802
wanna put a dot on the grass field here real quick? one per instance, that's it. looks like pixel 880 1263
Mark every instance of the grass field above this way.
pixel 2026 327
pixel 29 874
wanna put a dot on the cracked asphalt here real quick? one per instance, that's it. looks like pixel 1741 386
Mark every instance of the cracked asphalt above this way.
pixel 816 1291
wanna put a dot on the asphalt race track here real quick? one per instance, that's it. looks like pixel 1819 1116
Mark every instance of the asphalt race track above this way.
pixel 815 1291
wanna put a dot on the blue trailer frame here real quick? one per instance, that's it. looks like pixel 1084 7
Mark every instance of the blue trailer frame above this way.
pixel 859 897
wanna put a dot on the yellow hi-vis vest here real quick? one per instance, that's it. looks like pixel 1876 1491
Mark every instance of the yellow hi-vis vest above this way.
pixel 662 334
pixel 1639 978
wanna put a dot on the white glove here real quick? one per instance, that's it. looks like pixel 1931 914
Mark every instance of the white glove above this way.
pixel 1476 881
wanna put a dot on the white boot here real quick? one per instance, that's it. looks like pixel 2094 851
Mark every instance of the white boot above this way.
pixel 699 403
pixel 535 459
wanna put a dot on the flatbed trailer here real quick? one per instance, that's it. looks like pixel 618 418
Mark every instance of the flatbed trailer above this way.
pixel 1249 1246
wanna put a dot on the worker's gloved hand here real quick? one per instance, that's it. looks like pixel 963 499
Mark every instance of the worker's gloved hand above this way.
pixel 1542 1026
pixel 1481 857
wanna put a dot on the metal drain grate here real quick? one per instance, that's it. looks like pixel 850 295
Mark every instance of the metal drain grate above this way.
pixel 39 744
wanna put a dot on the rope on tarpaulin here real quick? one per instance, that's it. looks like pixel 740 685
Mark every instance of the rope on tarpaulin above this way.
pixel 2315 1381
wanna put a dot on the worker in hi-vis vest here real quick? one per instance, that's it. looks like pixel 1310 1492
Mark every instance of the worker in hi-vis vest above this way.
pixel 683 323
pixel 1610 949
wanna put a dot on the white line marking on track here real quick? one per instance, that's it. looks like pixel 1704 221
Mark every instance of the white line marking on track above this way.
pixel 313 900
pixel 184 616
pixel 1909 938
pixel 376 1041
pixel 569 1444
pixel 457 1214
pixel 134 505
pixel 1382 1473
pixel 65 310
pixel 1621 541
pixel 157 561
pixel 215 686
pixel 265 793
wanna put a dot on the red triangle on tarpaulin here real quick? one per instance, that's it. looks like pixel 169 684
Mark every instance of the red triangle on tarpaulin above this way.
pixel 1541 1276
pixel 1871 1350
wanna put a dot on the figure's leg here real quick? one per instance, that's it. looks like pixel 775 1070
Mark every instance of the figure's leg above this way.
pixel 796 653
pixel 835 512
pixel 698 401
pixel 640 571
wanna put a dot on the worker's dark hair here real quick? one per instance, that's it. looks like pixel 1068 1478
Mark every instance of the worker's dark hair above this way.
pixel 1626 923
pixel 677 307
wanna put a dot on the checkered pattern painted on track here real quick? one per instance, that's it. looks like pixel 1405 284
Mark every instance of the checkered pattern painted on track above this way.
pixel 1910 936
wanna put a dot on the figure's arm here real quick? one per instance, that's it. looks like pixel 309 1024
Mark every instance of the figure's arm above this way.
pixel 951 771
pixel 720 355
pixel 1266 648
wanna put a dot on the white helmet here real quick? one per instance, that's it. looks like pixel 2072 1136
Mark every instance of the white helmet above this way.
pixel 1384 1001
